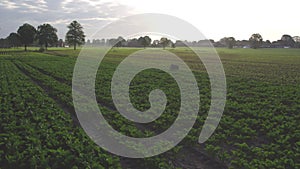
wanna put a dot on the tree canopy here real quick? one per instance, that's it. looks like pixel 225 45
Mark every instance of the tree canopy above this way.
pixel 287 40
pixel 27 33
pixel 145 41
pixel 14 39
pixel 75 36
pixel 228 41
pixel 46 35
pixel 255 40
pixel 164 42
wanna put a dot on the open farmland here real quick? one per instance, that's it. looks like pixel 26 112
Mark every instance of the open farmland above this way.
pixel 259 127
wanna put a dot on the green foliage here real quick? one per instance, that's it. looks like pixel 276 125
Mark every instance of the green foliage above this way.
pixel 14 39
pixel 35 133
pixel 145 41
pixel 27 33
pixel 164 42
pixel 46 35
pixel 255 40
pixel 75 36
pixel 259 128
pixel 228 41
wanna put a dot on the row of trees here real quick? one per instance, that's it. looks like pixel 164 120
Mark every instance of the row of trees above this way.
pixel 256 41
pixel 143 41
pixel 45 35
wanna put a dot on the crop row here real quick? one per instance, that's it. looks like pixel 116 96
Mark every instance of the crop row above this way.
pixel 259 127
pixel 62 93
pixel 36 133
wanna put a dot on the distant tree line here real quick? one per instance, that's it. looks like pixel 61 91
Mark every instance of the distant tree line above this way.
pixel 143 41
pixel 256 41
pixel 44 36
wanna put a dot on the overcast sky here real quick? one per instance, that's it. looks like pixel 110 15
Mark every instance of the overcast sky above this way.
pixel 215 18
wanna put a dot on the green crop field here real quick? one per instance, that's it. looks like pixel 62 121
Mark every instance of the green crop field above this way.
pixel 259 127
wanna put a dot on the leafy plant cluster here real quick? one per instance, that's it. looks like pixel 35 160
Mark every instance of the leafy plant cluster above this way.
pixel 259 127
pixel 36 133
pixel 59 89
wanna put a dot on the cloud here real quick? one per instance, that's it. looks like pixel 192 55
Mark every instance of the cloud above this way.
pixel 36 6
pixel 8 4
pixel 92 14
pixel 59 21
pixel 99 19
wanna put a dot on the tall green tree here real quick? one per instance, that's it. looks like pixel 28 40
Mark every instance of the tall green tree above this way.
pixel 155 43
pixel 255 40
pixel 14 39
pixel 164 42
pixel 119 42
pixel 60 43
pixel 228 41
pixel 27 33
pixel 46 35
pixel 297 41
pixel 75 36
pixel 145 41
pixel 287 40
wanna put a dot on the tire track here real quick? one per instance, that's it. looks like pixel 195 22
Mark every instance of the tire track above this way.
pixel 193 158
pixel 67 109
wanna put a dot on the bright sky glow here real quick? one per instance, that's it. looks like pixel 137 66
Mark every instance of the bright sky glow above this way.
pixel 215 18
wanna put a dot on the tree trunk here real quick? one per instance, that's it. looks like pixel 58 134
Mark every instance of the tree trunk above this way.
pixel 25 47
pixel 74 46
